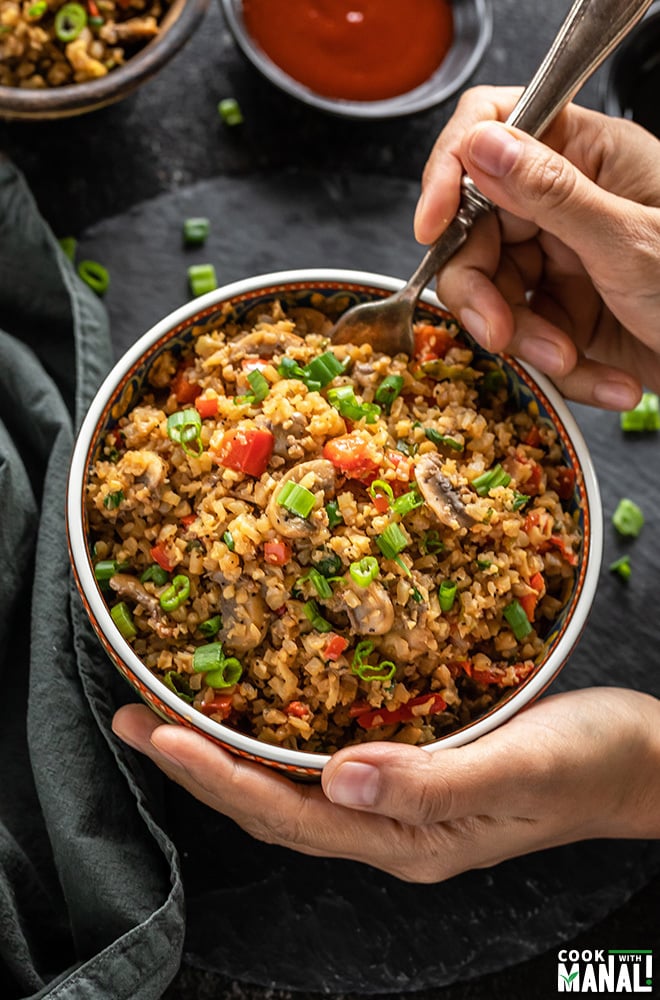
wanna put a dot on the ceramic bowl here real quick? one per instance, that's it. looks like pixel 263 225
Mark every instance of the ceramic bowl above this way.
pixel 338 289
pixel 181 21
pixel 472 33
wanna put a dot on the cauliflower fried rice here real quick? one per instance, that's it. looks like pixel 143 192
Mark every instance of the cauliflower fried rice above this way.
pixel 320 545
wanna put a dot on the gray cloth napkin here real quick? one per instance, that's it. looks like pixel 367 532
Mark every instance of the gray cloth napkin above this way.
pixel 91 901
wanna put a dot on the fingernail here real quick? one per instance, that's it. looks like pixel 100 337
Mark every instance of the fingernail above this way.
pixel 543 354
pixel 354 784
pixel 493 149
pixel 419 212
pixel 477 325
pixel 615 395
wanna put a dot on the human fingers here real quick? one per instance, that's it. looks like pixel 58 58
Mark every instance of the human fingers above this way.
pixel 442 174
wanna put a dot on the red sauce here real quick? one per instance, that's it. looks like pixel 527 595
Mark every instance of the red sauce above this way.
pixel 359 50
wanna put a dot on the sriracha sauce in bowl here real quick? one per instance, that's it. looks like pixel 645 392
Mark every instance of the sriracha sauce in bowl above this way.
pixel 363 58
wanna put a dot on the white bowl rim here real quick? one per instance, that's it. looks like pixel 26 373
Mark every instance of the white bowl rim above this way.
pixel 248 745
pixel 407 103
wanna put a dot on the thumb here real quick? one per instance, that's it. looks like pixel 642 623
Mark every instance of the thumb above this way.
pixel 532 181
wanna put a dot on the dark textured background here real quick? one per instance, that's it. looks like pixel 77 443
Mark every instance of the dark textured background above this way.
pixel 169 136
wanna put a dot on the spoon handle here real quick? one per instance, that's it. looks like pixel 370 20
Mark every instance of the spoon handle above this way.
pixel 592 29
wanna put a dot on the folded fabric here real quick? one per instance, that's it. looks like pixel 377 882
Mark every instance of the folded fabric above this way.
pixel 91 901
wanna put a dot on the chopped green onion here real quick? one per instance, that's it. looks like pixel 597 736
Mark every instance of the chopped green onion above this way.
pixel 431 542
pixel 184 427
pixel 383 671
pixel 329 565
pixel 318 581
pixel 179 684
pixel 260 386
pixel 208 657
pixel 645 416
pixel 442 439
pixel 230 111
pixel 202 279
pixel 487 481
pixel 416 595
pixel 112 500
pixel 37 9
pixel 405 448
pixel 628 518
pixel 92 273
pixel 363 650
pixel 68 245
pixel 323 369
pixel 156 574
pixel 388 390
pixel 296 499
pixel 517 619
pixel 407 502
pixel 493 380
pixel 123 619
pixel 288 368
pixel 106 568
pixel 334 517
pixel 228 539
pixel 447 594
pixel 96 21
pixel 175 595
pixel 70 21
pixel 343 399
pixel 196 231
pixel 519 500
pixel 211 626
pixel 312 613
pixel 380 486
pixel 438 369
pixel 622 567
pixel 226 675
pixel 392 541
pixel 483 564
pixel 364 571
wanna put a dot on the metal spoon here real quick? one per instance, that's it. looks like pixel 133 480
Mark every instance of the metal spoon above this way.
pixel 592 29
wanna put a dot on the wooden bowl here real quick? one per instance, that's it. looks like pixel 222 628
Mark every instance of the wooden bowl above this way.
pixel 181 21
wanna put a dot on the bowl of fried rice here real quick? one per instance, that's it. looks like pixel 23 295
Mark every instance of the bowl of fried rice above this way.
pixel 292 546
pixel 60 58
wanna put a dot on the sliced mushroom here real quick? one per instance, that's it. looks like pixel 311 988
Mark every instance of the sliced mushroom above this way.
pixel 264 341
pixel 245 623
pixel 320 478
pixel 374 615
pixel 129 587
pixel 439 493
pixel 286 434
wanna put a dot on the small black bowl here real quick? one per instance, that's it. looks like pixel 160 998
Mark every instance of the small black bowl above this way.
pixel 631 87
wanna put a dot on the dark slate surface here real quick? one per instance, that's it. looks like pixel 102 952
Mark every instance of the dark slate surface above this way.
pixel 337 926
pixel 164 140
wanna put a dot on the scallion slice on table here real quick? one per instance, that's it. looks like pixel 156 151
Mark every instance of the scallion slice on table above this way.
pixel 296 499
pixel 487 481
pixel 123 619
pixel 364 571
pixel 447 594
pixel 622 567
pixel 68 245
pixel 645 416
pixel 94 274
pixel 628 518
pixel 388 390
pixel 70 21
pixel 202 279
pixel 230 111
pixel 184 427
pixel 196 231
pixel 517 619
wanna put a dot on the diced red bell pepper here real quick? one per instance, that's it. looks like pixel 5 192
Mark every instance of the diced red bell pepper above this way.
pixel 185 390
pixel 529 601
pixel 206 406
pixel 350 454
pixel 497 677
pixel 335 646
pixel 277 552
pixel 381 503
pixel 254 364
pixel 533 437
pixel 402 463
pixel 431 341
pixel 220 704
pixel 297 709
pixel 532 485
pixel 159 555
pixel 246 450
pixel 385 717
pixel 564 482
pixel 567 554
pixel 188 520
